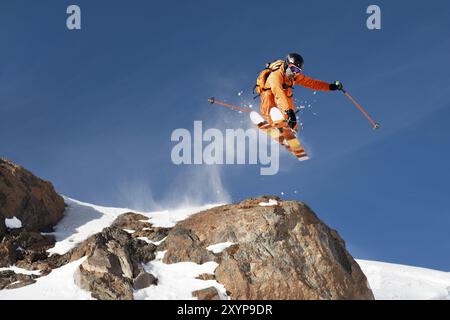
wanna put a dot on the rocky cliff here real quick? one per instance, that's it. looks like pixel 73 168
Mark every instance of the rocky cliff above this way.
pixel 281 251
pixel 30 205
pixel 28 198
pixel 260 248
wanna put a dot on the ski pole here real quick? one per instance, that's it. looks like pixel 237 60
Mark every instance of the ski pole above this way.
pixel 214 101
pixel 374 124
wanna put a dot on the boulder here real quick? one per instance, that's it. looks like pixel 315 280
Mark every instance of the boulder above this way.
pixel 104 286
pixel 144 280
pixel 114 264
pixel 131 220
pixel 279 252
pixel 209 293
pixel 183 244
pixel 28 198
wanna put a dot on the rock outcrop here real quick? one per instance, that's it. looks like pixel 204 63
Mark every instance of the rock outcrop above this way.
pixel 279 252
pixel 273 252
pixel 36 205
pixel 113 268
pixel 30 249
pixel 137 223
pixel 30 199
pixel 11 280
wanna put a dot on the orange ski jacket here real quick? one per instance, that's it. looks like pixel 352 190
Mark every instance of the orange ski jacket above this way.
pixel 277 90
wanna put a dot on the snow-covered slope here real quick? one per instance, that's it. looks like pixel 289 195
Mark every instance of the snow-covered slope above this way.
pixel 82 220
pixel 57 285
pixel 393 281
pixel 177 281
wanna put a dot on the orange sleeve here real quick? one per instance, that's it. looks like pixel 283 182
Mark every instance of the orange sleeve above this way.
pixel 312 83
pixel 275 81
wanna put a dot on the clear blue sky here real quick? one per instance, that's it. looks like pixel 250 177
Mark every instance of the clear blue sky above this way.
pixel 93 110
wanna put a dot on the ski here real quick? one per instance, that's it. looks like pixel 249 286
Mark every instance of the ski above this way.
pixel 280 132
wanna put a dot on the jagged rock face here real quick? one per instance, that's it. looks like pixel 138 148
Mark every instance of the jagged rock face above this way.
pixel 113 267
pixel 25 247
pixel 280 252
pixel 32 200
pixel 183 244
pixel 137 222
pixel 11 280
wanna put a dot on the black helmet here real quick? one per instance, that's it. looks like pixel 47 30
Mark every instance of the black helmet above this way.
pixel 295 59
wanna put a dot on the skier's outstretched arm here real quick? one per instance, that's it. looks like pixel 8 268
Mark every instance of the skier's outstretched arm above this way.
pixel 311 83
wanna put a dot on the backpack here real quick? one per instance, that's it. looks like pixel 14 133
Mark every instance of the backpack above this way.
pixel 264 74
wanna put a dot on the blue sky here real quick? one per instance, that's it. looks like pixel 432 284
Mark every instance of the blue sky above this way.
pixel 93 110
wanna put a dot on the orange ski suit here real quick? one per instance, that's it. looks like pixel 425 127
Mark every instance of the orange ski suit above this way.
pixel 277 91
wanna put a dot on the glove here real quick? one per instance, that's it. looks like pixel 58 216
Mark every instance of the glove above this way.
pixel 337 85
pixel 292 119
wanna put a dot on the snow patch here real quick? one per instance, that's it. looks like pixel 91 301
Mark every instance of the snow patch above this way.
pixel 58 285
pixel 218 248
pixel 271 202
pixel 21 270
pixel 176 281
pixel 129 231
pixel 13 223
pixel 399 282
pixel 168 218
pixel 156 243
pixel 81 220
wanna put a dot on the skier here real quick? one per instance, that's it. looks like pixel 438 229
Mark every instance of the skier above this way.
pixel 274 86
pixel 275 83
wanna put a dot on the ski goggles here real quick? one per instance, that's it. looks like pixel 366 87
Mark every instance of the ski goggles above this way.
pixel 294 68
